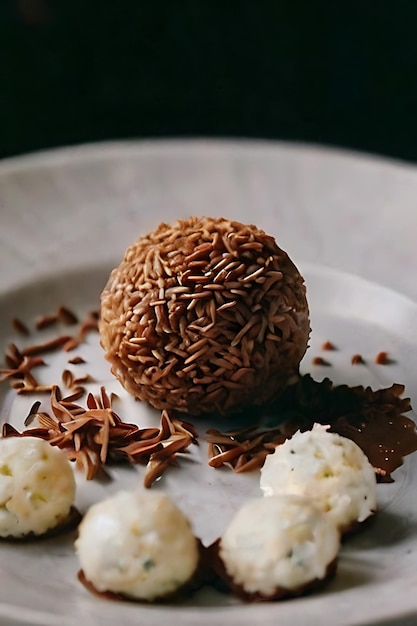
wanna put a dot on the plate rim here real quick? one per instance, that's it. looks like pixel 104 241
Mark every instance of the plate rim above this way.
pixel 107 149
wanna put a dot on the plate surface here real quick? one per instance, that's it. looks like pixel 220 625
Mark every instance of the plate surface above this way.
pixel 66 218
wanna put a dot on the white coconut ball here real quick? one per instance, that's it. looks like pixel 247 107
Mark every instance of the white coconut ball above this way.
pixel 330 469
pixel 37 486
pixel 278 544
pixel 138 544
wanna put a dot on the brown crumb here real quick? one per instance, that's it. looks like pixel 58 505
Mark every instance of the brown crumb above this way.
pixel 20 327
pixel 328 345
pixel 243 450
pixel 67 316
pixel 67 378
pixel 45 321
pixel 47 346
pixel 13 356
pixel 63 314
pixel 382 358
pixel 86 378
pixel 318 360
pixel 76 360
pixel 16 359
pixel 357 359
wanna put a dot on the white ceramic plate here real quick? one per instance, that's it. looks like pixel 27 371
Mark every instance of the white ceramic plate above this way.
pixel 66 218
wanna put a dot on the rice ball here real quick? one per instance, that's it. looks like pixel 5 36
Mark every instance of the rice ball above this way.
pixel 279 546
pixel 329 468
pixel 37 487
pixel 205 315
pixel 139 545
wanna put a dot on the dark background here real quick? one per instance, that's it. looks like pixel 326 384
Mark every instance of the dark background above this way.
pixel 335 73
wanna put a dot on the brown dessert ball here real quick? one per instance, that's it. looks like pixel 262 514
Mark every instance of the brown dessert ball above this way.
pixel 205 315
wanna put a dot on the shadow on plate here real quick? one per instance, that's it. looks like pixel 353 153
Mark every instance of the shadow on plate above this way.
pixel 385 529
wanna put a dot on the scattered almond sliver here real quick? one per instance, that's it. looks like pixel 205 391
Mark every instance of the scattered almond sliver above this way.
pixel 94 435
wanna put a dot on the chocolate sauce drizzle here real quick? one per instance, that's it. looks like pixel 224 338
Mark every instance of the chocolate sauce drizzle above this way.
pixel 374 420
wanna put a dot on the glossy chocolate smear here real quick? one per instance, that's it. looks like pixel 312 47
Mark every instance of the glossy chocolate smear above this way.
pixel 374 420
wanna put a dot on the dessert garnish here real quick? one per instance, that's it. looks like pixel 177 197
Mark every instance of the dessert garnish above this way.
pixel 205 315
pixel 382 358
pixel 243 449
pixel 319 360
pixel 373 419
pixel 20 326
pixel 93 435
pixel 328 345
